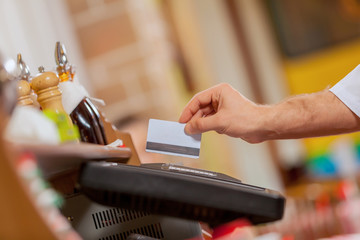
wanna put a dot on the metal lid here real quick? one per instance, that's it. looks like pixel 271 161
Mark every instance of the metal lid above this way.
pixel 60 55
pixel 23 71
pixel 65 70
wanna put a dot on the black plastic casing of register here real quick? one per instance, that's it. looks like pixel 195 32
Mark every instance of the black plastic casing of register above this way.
pixel 171 190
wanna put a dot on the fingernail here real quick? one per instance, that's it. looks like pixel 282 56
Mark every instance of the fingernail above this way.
pixel 188 129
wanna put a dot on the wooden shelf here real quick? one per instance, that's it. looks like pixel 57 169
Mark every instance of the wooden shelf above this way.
pixel 54 160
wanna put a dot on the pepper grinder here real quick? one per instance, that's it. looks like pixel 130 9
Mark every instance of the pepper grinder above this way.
pixel 23 85
pixel 46 86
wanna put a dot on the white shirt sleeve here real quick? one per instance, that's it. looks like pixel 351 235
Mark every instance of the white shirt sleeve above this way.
pixel 348 90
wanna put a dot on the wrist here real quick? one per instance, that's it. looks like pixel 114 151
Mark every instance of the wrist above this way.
pixel 261 126
pixel 267 124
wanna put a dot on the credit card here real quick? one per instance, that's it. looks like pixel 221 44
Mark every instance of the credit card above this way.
pixel 169 137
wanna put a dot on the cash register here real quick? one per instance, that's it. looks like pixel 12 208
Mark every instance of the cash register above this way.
pixel 163 201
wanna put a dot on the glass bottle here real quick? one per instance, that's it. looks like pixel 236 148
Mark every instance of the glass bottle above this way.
pixel 82 111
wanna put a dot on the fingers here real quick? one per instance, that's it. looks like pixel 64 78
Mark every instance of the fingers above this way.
pixel 203 124
pixel 200 101
pixel 202 112
pixel 191 109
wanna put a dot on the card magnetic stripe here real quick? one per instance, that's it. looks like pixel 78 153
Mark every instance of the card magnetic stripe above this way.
pixel 172 148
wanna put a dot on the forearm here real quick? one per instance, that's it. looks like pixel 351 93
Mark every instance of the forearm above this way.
pixel 309 115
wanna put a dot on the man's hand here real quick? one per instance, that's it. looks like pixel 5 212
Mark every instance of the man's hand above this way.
pixel 224 110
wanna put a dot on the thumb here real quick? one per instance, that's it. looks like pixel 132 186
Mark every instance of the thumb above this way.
pixel 203 124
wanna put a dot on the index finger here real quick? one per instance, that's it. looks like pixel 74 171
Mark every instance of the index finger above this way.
pixel 200 100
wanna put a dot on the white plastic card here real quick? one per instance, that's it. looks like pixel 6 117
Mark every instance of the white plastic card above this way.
pixel 169 137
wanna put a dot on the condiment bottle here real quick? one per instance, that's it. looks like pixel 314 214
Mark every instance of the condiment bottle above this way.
pixel 82 111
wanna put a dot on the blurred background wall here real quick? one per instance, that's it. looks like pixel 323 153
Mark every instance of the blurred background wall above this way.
pixel 147 58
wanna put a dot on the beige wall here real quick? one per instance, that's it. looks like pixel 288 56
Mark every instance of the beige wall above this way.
pixel 128 56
